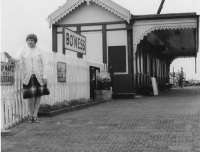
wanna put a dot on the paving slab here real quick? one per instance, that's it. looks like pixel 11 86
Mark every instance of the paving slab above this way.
pixel 169 122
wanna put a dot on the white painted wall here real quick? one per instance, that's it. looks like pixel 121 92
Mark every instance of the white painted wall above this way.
pixel 116 38
pixel 77 83
pixel 94 46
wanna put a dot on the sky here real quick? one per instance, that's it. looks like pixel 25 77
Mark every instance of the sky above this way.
pixel 21 17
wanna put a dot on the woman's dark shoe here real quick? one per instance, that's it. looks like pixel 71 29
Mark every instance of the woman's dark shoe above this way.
pixel 35 120
pixel 29 119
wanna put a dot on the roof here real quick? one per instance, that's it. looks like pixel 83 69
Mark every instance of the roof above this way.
pixel 163 16
pixel 71 5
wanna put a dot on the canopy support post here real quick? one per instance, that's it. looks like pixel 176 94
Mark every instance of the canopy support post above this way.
pixel 195 64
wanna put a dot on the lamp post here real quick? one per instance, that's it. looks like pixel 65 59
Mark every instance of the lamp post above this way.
pixel 160 7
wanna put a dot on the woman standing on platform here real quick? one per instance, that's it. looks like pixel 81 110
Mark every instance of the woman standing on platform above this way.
pixel 34 78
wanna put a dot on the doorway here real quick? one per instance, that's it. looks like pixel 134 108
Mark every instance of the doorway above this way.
pixel 93 81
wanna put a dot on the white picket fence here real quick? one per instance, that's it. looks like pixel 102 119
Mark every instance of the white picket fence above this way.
pixel 14 107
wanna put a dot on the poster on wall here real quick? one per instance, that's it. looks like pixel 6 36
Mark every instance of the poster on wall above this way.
pixel 74 42
pixel 61 71
pixel 7 73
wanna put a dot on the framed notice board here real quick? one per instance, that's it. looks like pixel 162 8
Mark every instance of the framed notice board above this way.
pixel 61 71
pixel 7 73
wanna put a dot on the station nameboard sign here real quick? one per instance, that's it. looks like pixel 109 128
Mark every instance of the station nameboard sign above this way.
pixel 74 41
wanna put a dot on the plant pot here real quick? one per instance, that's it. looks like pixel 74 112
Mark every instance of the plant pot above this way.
pixel 103 94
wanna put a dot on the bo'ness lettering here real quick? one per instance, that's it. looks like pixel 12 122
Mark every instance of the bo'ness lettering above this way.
pixel 75 42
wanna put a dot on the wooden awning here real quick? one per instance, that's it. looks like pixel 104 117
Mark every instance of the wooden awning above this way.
pixel 170 36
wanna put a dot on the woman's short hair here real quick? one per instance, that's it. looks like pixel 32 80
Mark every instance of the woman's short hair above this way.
pixel 32 37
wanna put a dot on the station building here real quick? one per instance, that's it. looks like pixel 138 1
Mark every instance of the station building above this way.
pixel 92 36
pixel 133 48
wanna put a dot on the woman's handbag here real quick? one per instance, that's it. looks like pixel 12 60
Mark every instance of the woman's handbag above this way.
pixel 34 89
pixel 44 90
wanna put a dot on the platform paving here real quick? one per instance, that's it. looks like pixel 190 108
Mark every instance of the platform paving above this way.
pixel 167 123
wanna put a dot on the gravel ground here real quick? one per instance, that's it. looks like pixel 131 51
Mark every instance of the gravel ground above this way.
pixel 169 122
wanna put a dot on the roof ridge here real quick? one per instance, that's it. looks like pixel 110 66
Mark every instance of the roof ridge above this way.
pixel 70 5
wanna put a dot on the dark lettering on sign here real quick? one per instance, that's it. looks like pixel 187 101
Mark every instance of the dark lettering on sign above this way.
pixel 71 40
pixel 67 38
pixel 75 42
pixel 79 43
pixel 84 45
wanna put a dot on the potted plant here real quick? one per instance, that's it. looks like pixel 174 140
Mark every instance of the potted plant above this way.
pixel 104 89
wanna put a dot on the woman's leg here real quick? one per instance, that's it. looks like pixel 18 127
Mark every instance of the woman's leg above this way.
pixel 31 107
pixel 36 106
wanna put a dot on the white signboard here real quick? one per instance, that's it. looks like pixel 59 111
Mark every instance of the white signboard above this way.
pixel 155 86
pixel 74 42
